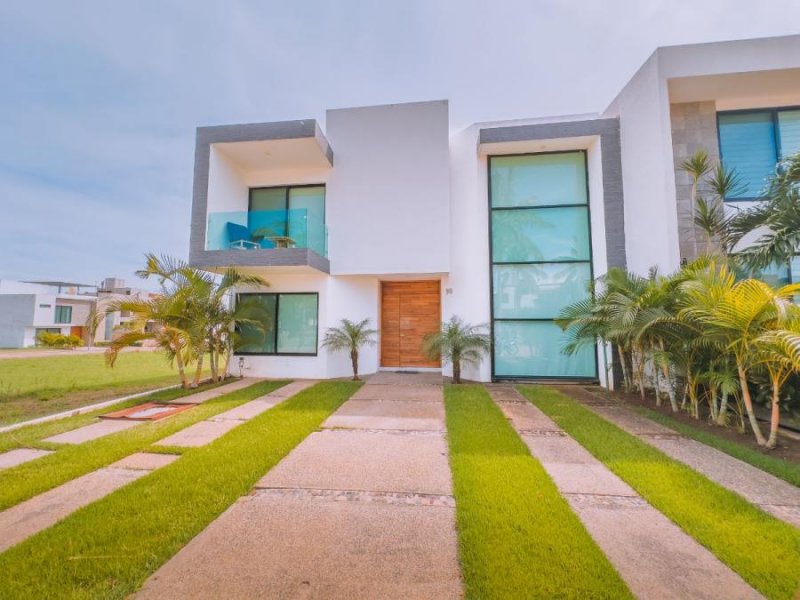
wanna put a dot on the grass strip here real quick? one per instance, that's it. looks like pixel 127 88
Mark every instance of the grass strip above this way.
pixel 31 436
pixel 782 469
pixel 518 537
pixel 109 548
pixel 70 461
pixel 762 549
pixel 38 386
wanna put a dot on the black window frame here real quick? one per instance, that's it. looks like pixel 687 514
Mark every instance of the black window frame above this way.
pixel 286 196
pixel 492 264
pixel 58 310
pixel 776 138
pixel 277 313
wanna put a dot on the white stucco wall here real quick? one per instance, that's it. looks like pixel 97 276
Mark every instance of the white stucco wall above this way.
pixel 388 195
pixel 643 108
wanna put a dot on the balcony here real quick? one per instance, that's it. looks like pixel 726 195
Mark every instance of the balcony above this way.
pixel 267 238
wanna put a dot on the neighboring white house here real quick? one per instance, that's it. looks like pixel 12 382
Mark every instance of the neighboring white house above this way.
pixel 390 215
pixel 30 308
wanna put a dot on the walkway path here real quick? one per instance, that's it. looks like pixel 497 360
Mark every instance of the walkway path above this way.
pixel 361 509
pixel 653 555
pixel 27 518
pixel 775 496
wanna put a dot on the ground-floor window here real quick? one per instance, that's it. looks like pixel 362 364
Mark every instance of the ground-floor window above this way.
pixel 541 261
pixel 278 324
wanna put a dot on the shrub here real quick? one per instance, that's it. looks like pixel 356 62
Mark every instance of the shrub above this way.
pixel 58 340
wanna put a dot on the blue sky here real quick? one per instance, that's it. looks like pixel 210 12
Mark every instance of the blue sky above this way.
pixel 99 100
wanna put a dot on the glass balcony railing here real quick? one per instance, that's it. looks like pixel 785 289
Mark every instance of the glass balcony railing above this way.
pixel 267 229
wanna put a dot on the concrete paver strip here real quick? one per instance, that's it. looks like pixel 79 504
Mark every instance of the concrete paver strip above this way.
pixel 395 378
pixel 12 458
pixel 216 392
pixel 246 411
pixel 367 461
pixel 145 461
pixel 773 495
pixel 349 513
pixel 273 546
pixel 292 388
pixel 524 414
pixel 405 393
pixel 27 518
pixel 199 434
pixel 394 414
pixel 653 555
pixel 92 432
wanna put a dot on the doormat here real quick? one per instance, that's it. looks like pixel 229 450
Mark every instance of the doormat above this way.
pixel 149 411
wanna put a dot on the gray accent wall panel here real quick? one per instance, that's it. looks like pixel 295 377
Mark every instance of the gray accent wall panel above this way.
pixel 608 131
pixel 250 132
pixel 694 127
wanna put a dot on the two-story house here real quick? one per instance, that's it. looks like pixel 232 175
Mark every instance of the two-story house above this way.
pixel 390 215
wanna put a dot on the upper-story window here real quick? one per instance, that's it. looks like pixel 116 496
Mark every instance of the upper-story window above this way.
pixel 752 141
pixel 63 314
pixel 288 217
pixel 276 217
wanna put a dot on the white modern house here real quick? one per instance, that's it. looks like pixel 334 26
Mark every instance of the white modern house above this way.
pixel 391 215
pixel 30 308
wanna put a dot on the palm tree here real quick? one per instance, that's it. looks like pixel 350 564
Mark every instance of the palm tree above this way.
pixel 779 216
pixel 736 315
pixel 457 342
pixel 168 329
pixel 210 320
pixel 350 336
pixel 193 308
pixel 779 354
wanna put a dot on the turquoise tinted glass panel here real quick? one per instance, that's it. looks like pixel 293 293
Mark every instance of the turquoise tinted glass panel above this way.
pixel 775 275
pixel 307 217
pixel 538 180
pixel 538 291
pixel 550 234
pixel 747 144
pixel 63 314
pixel 533 349
pixel 267 211
pixel 257 337
pixel 789 132
pixel 297 324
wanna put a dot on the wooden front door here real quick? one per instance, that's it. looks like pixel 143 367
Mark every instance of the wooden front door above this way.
pixel 410 310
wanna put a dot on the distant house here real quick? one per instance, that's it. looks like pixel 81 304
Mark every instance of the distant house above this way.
pixel 28 308
pixel 113 289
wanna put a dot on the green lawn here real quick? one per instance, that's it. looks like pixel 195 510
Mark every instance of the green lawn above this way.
pixel 780 468
pixel 31 436
pixel 70 461
pixel 518 537
pixel 762 549
pixel 109 548
pixel 34 387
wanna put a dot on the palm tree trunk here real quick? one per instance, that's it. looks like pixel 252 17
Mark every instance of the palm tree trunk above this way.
pixel 712 402
pixel 181 369
pixel 723 409
pixel 748 404
pixel 626 380
pixel 657 384
pixel 673 400
pixel 775 417
pixel 354 361
pixel 456 369
pixel 198 371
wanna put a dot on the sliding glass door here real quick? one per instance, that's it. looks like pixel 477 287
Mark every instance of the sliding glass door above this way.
pixel 541 262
